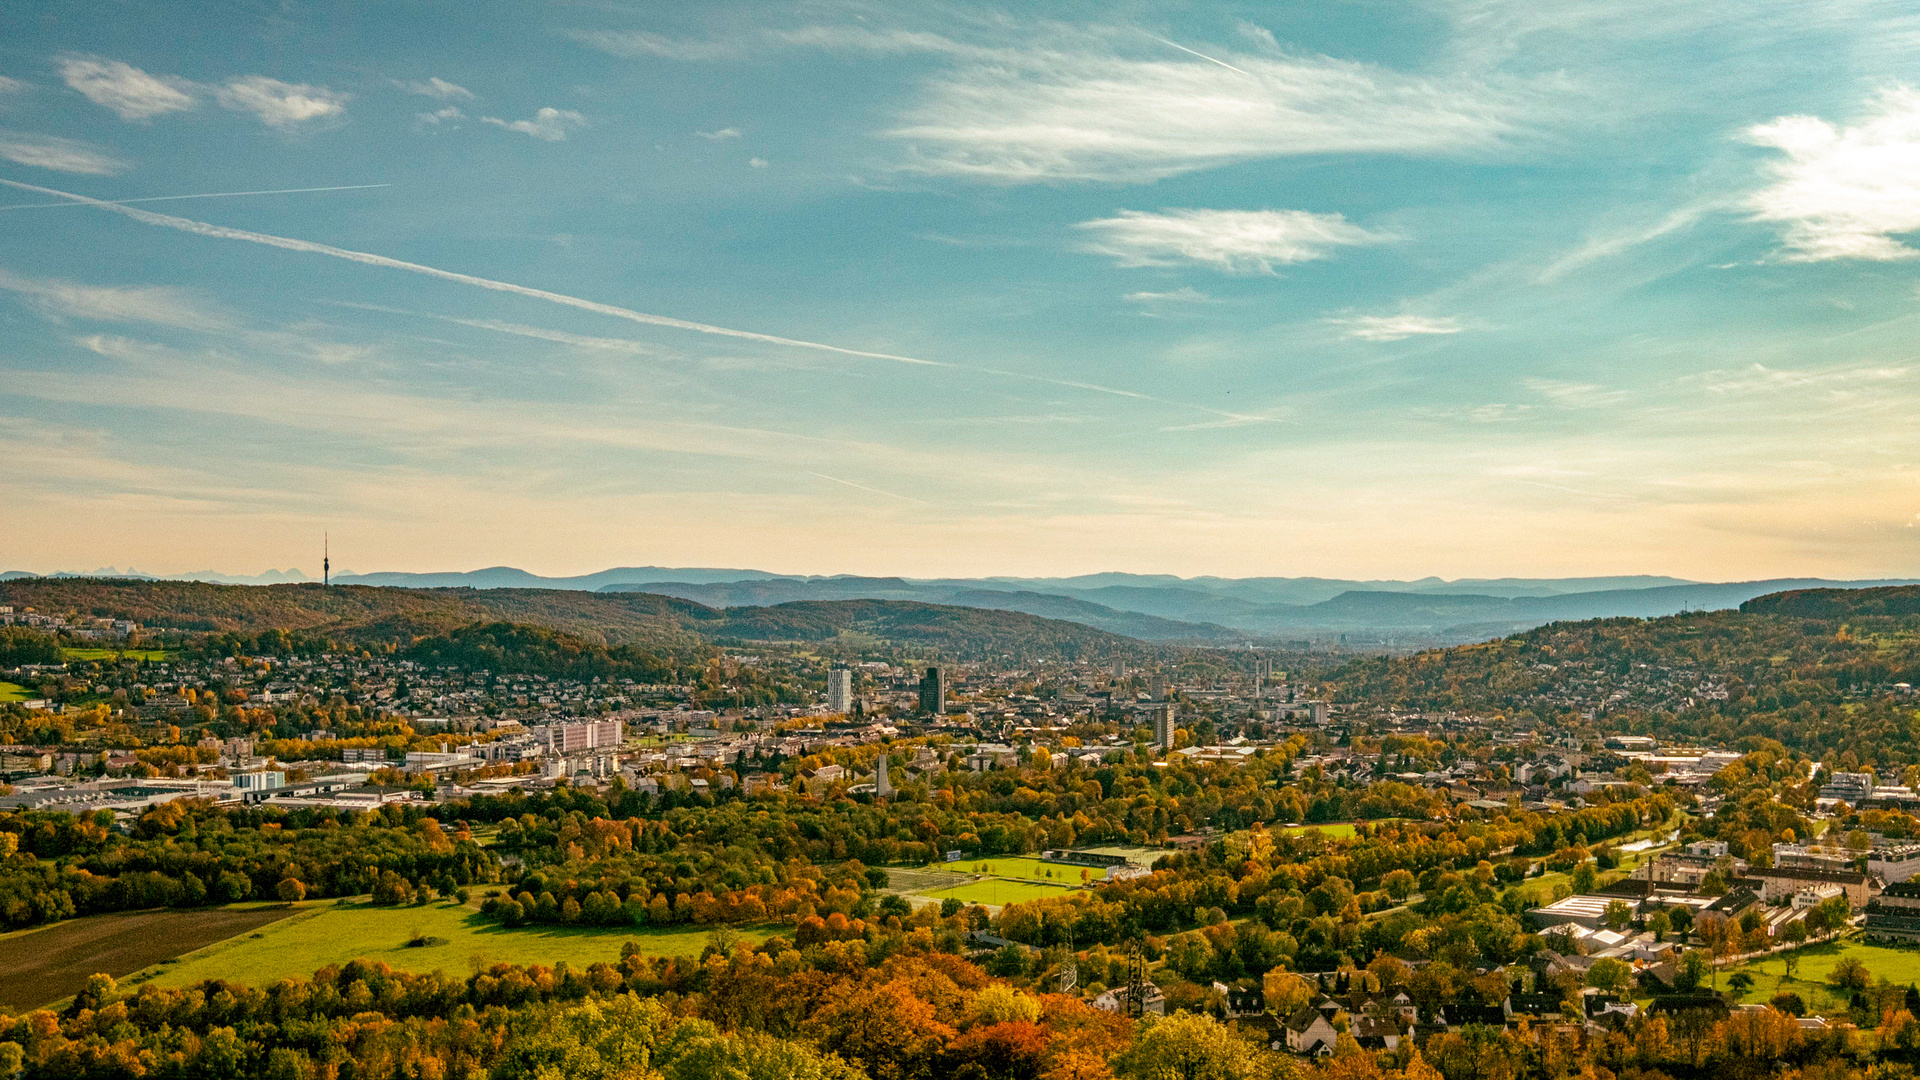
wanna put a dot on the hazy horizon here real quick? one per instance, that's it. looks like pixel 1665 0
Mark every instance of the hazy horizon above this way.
pixel 1463 288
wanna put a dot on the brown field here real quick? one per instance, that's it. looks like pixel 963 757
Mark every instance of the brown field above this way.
pixel 38 967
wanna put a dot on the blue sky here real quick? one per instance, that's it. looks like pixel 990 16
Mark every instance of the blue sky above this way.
pixel 1463 288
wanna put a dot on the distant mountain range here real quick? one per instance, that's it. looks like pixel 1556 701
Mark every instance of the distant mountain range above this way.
pixel 1154 607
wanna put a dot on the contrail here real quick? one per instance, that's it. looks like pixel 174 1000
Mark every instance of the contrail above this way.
pixel 863 487
pixel 223 232
pixel 1201 55
pixel 205 195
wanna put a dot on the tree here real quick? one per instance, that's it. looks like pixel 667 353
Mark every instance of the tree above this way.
pixel 1610 975
pixel 1660 924
pixel 1584 878
pixel 1618 914
pixel 1190 1046
pixel 291 890
pixel 1850 974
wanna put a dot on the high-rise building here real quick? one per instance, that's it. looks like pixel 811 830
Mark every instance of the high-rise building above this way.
pixel 591 735
pixel 933 692
pixel 1157 688
pixel 840 690
pixel 1163 727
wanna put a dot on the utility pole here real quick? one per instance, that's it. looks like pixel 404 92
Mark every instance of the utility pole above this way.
pixel 326 560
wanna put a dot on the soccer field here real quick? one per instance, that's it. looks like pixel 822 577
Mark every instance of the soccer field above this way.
pixel 1026 869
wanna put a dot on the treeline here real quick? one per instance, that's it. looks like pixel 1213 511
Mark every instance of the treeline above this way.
pixel 21 645
pixel 188 853
pixel 889 1006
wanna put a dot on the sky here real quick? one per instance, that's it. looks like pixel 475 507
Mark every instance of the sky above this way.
pixel 1453 287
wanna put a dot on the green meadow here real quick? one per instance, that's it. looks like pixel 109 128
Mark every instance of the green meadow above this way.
pixel 460 941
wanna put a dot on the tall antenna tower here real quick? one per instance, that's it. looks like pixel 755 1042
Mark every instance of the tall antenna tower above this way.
pixel 326 560
pixel 1136 980
pixel 1069 968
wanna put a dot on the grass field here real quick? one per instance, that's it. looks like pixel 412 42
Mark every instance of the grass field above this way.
pixel 998 892
pixel 327 933
pixel 1338 829
pixel 1023 868
pixel 111 654
pixel 12 692
pixel 50 963
pixel 1895 965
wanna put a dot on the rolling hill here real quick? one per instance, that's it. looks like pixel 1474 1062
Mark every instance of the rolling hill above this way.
pixel 366 615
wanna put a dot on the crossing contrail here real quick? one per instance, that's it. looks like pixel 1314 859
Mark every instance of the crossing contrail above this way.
pixel 224 232
pixel 203 195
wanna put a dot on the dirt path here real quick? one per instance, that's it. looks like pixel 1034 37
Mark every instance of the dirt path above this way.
pixel 43 966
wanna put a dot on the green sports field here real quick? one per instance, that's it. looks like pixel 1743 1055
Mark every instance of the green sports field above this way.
pixel 326 934
pixel 1339 829
pixel 12 692
pixel 1023 868
pixel 997 892
pixel 1894 965
pixel 112 654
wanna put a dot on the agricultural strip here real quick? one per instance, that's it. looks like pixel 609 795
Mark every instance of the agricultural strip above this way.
pixel 52 962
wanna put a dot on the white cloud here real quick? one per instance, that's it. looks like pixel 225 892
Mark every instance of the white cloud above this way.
pixel 549 123
pixel 125 89
pixel 64 155
pixel 12 86
pixel 723 133
pixel 437 88
pixel 286 106
pixel 1082 112
pixel 1575 395
pixel 448 115
pixel 1235 241
pixel 1395 327
pixel 757 163
pixel 1185 294
pixel 636 43
pixel 1845 193
pixel 1759 378
pixel 159 304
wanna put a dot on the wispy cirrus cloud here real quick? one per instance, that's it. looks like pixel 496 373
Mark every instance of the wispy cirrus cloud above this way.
pixel 11 86
pixel 1053 103
pixel 61 155
pixel 133 94
pixel 1233 241
pixel 1844 192
pixel 161 305
pixel 1396 327
pixel 282 105
pixel 450 115
pixel 550 124
pixel 716 136
pixel 1185 294
pixel 1096 112
pixel 435 87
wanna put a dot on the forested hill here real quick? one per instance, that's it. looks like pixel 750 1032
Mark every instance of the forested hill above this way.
pixel 369 615
pixel 1838 603
pixel 1815 669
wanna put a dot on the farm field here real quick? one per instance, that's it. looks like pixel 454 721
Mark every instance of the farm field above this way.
pixel 998 892
pixel 46 964
pixel 12 692
pixel 110 654
pixel 330 933
pixel 1020 867
pixel 1894 965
